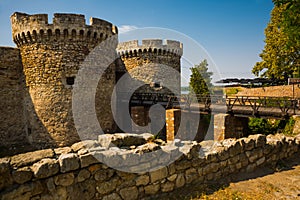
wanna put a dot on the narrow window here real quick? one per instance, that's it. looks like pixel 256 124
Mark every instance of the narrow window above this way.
pixel 70 80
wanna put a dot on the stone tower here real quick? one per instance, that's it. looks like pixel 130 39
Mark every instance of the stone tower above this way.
pixel 51 55
pixel 151 63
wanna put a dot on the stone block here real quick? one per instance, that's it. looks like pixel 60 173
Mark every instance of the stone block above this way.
pixel 180 180
pixel 103 174
pixel 123 139
pixel 158 174
pixel 62 150
pixel 211 168
pixel 88 159
pixel 191 175
pixel 64 179
pixel 251 167
pixel 181 165
pixel 152 189
pixel 167 186
pixel 260 161
pixel 68 162
pixel 107 187
pixel 142 180
pixel 113 196
pixel 83 175
pixel 86 144
pixel 45 168
pixel 249 144
pixel 22 175
pixel 130 193
pixel 172 177
pixel 29 158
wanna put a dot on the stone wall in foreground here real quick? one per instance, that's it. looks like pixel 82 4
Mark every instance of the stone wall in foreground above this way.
pixel 74 173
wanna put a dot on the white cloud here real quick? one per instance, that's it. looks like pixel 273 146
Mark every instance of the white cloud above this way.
pixel 125 28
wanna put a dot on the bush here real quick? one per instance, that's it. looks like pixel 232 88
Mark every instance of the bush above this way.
pixel 259 126
pixel 271 126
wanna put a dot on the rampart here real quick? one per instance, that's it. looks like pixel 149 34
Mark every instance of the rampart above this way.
pixel 156 46
pixel 32 28
pixel 74 173
pixel 12 91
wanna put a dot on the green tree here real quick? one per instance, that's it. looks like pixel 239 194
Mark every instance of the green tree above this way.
pixel 281 54
pixel 200 80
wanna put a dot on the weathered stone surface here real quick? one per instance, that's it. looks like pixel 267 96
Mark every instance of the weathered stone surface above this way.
pixel 68 162
pixel 211 168
pixel 6 178
pixel 158 174
pixel 31 157
pixel 142 180
pixel 86 144
pixel 4 165
pixel 172 177
pixel 64 179
pixel 123 139
pixel 260 161
pixel 249 144
pixel 12 129
pixel 251 167
pixel 62 150
pixel 82 190
pixel 191 175
pixel 108 187
pixel 167 186
pixel 22 175
pixel 130 193
pixel 24 191
pixel 50 184
pixel 104 174
pixel 83 175
pixel 126 176
pixel 180 180
pixel 88 159
pixel 183 165
pixel 145 148
pixel 152 188
pixel 45 168
pixel 98 181
pixel 113 196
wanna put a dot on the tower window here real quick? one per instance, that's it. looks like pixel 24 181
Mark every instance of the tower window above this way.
pixel 157 84
pixel 70 80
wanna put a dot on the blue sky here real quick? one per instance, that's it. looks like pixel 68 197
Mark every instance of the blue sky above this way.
pixel 231 31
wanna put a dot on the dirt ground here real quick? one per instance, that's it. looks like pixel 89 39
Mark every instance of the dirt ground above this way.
pixel 282 182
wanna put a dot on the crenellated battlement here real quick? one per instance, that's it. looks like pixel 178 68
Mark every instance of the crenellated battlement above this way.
pixel 34 28
pixel 156 46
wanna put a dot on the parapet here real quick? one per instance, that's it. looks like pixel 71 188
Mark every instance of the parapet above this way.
pixel 156 46
pixel 33 28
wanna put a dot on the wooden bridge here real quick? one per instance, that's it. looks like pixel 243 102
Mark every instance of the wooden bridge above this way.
pixel 262 106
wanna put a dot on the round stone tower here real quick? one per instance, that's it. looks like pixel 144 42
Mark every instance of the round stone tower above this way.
pixel 152 67
pixel 51 56
pixel 152 62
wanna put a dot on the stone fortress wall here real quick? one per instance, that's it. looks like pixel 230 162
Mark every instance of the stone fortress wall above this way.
pixel 74 172
pixel 12 92
pixel 45 67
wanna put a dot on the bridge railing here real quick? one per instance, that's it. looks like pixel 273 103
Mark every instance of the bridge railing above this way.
pixel 285 104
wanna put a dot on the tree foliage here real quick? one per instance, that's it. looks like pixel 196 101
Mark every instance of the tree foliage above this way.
pixel 281 54
pixel 200 80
